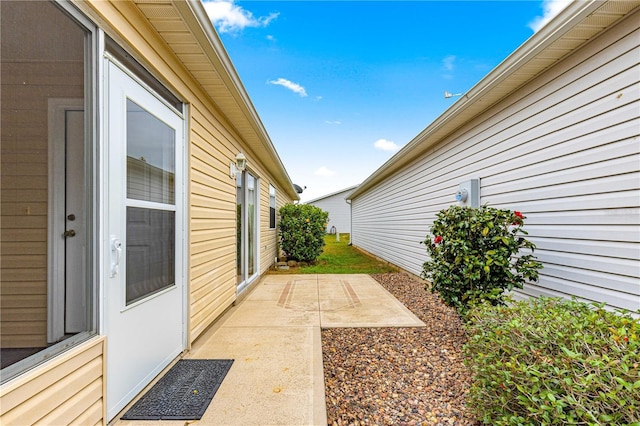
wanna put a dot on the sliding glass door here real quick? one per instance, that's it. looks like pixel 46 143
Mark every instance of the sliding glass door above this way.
pixel 247 229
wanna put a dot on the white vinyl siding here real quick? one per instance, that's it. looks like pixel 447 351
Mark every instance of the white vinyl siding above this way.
pixel 338 209
pixel 564 150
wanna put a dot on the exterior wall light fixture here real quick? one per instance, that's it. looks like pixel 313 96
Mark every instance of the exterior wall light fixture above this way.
pixel 239 166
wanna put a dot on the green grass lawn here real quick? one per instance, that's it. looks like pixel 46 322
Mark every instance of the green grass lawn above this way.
pixel 341 258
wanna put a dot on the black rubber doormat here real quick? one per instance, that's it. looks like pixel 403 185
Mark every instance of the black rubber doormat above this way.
pixel 184 393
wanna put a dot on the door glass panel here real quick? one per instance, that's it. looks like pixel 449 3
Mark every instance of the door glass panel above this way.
pixel 150 157
pixel 247 226
pixel 150 252
pixel 251 224
pixel 150 248
pixel 239 224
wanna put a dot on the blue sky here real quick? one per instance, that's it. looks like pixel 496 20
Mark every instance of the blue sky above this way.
pixel 340 86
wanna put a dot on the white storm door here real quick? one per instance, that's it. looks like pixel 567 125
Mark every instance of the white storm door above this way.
pixel 144 290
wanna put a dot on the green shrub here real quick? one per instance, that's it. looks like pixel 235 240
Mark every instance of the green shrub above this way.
pixel 302 228
pixel 553 362
pixel 474 255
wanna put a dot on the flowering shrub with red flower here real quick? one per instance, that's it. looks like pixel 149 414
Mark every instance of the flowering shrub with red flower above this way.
pixel 476 254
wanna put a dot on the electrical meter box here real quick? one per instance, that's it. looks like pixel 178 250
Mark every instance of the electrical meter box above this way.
pixel 469 193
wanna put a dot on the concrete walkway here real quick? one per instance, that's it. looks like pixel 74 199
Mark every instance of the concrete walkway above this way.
pixel 274 337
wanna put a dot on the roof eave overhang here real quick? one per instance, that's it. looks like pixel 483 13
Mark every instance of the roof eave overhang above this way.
pixel 219 79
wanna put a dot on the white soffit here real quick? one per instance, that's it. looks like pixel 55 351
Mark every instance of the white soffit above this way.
pixel 187 30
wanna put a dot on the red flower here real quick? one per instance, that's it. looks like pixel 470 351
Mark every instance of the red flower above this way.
pixel 519 216
pixel 437 239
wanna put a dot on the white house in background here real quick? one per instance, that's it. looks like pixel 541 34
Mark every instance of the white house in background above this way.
pixel 553 131
pixel 338 208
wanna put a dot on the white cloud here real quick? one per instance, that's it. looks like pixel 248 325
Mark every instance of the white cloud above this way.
pixel 333 121
pixel 550 9
pixel 228 17
pixel 447 63
pixel 385 145
pixel 324 171
pixel 294 87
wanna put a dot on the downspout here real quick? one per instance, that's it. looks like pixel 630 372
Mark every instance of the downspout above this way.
pixel 350 221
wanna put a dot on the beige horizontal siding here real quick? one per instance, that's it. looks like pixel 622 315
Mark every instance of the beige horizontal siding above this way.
pixel 65 390
pixel 212 221
pixel 281 200
pixel 268 237
pixel 564 150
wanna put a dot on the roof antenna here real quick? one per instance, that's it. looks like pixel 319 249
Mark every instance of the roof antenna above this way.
pixel 448 95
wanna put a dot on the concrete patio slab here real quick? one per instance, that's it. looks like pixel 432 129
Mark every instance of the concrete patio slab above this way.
pixel 274 336
pixel 343 313
pixel 267 313
pixel 274 380
pixel 360 301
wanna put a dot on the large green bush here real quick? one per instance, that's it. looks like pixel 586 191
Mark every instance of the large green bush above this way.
pixel 554 362
pixel 475 254
pixel 302 228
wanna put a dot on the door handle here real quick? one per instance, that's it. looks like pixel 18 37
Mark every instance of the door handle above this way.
pixel 69 233
pixel 116 254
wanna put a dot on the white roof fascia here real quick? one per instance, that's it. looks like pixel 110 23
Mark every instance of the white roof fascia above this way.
pixel 332 194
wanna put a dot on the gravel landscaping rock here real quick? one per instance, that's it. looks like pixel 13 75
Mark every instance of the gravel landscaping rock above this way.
pixel 399 376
